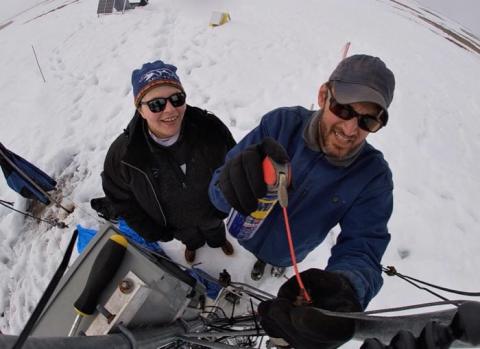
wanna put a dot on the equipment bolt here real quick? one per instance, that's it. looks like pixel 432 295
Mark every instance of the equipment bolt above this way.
pixel 126 286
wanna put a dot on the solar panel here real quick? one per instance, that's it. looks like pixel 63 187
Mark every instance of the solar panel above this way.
pixel 107 6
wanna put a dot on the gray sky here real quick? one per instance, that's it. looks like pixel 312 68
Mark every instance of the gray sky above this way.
pixel 464 12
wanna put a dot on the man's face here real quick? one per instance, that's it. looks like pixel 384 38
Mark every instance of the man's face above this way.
pixel 166 123
pixel 340 138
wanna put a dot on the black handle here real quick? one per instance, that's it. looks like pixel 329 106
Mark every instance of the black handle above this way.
pixel 103 270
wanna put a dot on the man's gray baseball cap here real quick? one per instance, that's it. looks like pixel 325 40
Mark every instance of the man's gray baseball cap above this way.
pixel 363 78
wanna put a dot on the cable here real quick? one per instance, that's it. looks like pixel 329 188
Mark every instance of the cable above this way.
pixel 424 288
pixel 54 222
pixel 10 203
pixel 391 271
pixel 216 308
pixel 253 314
pixel 129 335
pixel 254 291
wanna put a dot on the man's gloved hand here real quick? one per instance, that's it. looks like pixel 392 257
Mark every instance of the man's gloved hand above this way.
pixel 302 326
pixel 241 180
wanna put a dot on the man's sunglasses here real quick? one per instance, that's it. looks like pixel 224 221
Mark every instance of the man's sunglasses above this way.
pixel 157 105
pixel 368 123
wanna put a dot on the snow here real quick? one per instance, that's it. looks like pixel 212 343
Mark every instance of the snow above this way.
pixel 463 11
pixel 271 54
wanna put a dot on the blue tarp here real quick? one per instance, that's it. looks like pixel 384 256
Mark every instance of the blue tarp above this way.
pixel 85 235
pixel 213 288
pixel 20 174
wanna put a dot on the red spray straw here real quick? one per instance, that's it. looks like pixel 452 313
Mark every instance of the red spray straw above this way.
pixel 278 175
pixel 303 290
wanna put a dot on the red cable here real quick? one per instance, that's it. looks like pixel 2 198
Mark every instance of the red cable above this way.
pixel 304 292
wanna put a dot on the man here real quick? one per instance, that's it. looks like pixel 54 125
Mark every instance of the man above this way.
pixel 157 172
pixel 337 178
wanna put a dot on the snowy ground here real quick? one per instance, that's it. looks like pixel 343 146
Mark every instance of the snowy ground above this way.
pixel 272 53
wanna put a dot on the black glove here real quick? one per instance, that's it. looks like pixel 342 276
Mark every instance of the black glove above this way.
pixel 241 180
pixel 104 208
pixel 304 326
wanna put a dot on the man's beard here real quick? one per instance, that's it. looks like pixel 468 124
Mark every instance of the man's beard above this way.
pixel 326 141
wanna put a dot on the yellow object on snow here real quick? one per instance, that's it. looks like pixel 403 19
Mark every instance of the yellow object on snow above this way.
pixel 219 18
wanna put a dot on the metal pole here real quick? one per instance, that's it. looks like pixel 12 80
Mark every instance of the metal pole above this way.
pixel 345 50
pixel 38 64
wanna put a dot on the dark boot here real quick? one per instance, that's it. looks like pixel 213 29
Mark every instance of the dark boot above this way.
pixel 189 255
pixel 258 270
pixel 227 248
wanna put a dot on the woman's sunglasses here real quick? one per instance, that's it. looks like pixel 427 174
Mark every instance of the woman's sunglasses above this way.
pixel 368 123
pixel 157 105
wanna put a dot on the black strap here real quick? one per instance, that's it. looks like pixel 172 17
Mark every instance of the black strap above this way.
pixel 46 294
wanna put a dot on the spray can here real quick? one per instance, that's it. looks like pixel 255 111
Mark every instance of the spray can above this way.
pixel 276 176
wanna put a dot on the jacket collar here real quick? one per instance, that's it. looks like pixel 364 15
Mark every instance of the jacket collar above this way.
pixel 137 152
pixel 139 149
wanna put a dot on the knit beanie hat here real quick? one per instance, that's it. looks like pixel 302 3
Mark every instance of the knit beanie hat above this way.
pixel 151 75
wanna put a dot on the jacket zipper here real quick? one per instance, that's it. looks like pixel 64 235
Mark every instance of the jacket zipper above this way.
pixel 151 186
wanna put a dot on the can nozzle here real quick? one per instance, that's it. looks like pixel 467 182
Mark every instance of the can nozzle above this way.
pixel 277 177
pixel 282 190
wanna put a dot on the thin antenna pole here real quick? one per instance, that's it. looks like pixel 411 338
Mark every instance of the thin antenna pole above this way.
pixel 345 50
pixel 38 64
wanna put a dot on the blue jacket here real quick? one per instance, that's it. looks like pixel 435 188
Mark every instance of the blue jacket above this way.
pixel 321 195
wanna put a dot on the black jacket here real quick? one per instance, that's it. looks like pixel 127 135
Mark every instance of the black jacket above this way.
pixel 146 185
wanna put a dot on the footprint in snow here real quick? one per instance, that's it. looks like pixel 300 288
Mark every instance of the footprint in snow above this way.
pixel 403 253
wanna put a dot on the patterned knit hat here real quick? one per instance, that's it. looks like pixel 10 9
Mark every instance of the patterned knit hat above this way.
pixel 151 75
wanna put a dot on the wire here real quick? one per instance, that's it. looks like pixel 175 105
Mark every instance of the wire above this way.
pixel 425 289
pixel 304 292
pixel 236 320
pixel 391 271
pixel 253 314
pixel 254 292
pixel 54 222
pixel 10 203
pixel 215 308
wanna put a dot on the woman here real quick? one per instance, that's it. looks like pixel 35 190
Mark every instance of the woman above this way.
pixel 157 171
